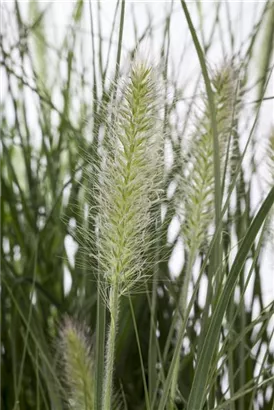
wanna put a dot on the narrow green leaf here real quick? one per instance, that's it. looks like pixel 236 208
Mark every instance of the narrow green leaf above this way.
pixel 198 391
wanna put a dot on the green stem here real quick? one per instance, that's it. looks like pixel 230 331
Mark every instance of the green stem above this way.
pixel 100 345
pixel 114 312
pixel 152 352
pixel 183 319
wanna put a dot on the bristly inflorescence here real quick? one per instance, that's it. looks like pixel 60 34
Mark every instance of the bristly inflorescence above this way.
pixel 129 181
pixel 195 195
pixel 77 366
pixel 196 188
pixel 129 186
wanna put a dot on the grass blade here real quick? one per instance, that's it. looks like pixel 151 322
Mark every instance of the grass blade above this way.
pixel 198 391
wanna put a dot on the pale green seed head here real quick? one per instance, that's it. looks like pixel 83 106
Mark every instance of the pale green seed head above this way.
pixel 130 178
pixel 77 365
pixel 196 187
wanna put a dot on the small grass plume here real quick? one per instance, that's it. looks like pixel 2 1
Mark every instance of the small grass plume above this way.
pixel 77 364
pixel 195 193
pixel 196 187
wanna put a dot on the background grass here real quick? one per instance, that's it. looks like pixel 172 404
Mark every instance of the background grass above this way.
pixel 55 104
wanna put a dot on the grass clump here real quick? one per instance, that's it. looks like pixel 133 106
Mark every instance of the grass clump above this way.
pixel 160 343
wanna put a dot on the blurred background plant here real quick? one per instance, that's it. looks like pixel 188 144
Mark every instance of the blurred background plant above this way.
pixel 57 86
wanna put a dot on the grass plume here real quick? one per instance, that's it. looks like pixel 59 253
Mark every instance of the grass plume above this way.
pixel 129 187
pixel 77 364
pixel 196 189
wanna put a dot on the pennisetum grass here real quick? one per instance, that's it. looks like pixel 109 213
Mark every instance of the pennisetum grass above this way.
pixel 127 191
pixel 220 355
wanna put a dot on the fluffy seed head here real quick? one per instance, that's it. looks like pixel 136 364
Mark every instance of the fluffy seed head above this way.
pixel 129 180
pixel 196 187
pixel 77 365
